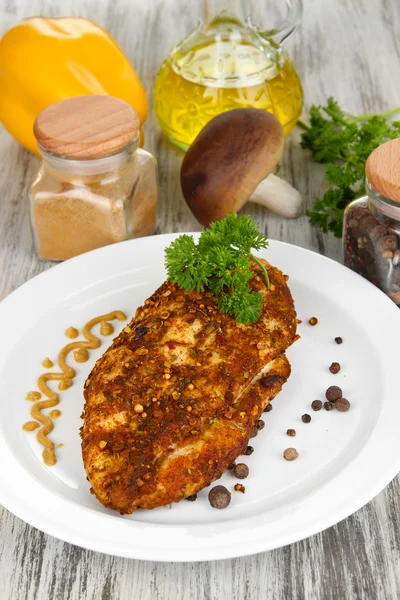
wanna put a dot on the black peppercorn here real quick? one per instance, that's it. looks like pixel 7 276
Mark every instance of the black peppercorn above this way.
pixel 333 393
pixel 249 450
pixel 241 471
pixel 338 340
pixel 342 405
pixel 219 497
pixel 328 405
pixel 306 418
pixel 316 405
pixel 268 381
pixel 140 331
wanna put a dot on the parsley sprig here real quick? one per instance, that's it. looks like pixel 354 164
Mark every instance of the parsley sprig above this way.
pixel 221 262
pixel 343 143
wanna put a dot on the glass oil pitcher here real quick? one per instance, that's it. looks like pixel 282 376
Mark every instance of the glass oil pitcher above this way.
pixel 228 63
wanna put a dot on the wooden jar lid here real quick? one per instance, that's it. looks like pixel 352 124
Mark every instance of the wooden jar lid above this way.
pixel 383 169
pixel 86 127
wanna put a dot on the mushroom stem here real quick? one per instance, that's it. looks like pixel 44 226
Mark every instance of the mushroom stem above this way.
pixel 279 196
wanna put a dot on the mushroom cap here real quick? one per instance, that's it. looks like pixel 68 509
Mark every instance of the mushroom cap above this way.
pixel 228 159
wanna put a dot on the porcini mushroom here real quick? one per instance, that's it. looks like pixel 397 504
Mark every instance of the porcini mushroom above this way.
pixel 231 161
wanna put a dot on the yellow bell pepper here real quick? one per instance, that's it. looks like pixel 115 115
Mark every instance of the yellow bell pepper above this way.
pixel 45 60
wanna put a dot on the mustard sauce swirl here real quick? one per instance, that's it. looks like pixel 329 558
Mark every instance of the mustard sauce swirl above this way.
pixel 65 379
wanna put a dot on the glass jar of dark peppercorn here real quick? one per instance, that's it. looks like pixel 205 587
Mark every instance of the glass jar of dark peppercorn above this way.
pixel 371 233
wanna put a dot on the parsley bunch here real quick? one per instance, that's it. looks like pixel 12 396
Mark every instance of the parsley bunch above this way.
pixel 343 142
pixel 221 262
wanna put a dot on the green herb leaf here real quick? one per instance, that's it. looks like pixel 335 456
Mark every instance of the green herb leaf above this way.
pixel 243 304
pixel 221 262
pixel 343 142
pixel 185 266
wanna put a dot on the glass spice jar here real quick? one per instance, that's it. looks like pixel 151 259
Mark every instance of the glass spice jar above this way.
pixel 95 186
pixel 371 234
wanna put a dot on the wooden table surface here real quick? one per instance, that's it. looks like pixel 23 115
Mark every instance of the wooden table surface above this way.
pixel 346 48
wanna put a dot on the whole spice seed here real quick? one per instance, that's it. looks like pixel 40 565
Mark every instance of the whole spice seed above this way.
pixel 291 432
pixel 290 454
pixel 334 368
pixel 260 424
pixel 268 380
pixel 333 393
pixel 370 249
pixel 316 405
pixel 231 466
pixel 140 331
pixel 342 405
pixel 249 450
pixel 306 418
pixel 313 321
pixel 239 487
pixel 268 408
pixel 219 497
pixel 328 405
pixel 192 498
pixel 241 471
pixel 338 340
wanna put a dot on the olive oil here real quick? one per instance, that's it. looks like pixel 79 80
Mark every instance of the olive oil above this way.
pixel 197 83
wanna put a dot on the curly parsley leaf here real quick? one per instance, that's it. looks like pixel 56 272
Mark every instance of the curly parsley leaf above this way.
pixel 243 304
pixel 343 143
pixel 185 266
pixel 221 262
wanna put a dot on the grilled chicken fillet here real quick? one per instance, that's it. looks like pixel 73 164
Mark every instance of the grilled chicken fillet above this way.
pixel 174 400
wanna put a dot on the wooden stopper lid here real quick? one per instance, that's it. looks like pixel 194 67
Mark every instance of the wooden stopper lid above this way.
pixel 86 127
pixel 383 169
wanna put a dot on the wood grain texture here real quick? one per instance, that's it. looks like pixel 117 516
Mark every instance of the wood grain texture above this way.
pixel 382 169
pixel 86 126
pixel 346 48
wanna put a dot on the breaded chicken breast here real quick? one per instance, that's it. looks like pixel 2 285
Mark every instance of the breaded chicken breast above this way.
pixel 173 401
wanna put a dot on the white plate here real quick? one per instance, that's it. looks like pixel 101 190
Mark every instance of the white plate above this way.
pixel 345 458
